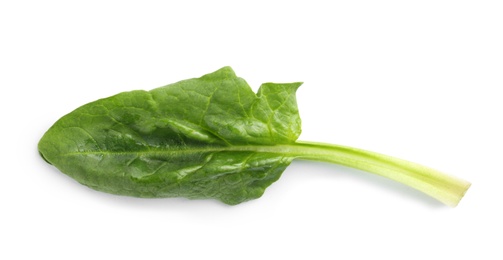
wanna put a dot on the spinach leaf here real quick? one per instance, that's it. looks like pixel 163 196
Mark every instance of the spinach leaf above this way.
pixel 207 137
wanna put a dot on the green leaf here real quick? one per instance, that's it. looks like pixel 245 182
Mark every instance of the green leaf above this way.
pixel 183 139
pixel 208 137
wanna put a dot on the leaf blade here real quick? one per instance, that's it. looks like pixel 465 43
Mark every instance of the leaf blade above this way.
pixel 182 139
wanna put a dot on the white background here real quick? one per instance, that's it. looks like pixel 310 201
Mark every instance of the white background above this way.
pixel 419 80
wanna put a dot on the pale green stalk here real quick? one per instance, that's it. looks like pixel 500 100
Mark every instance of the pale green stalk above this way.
pixel 447 189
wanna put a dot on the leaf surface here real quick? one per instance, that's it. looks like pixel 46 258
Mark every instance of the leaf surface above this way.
pixel 197 138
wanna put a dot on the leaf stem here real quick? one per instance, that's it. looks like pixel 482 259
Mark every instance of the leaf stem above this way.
pixel 447 189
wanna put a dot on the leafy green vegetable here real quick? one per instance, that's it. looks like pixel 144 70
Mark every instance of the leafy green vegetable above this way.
pixel 208 137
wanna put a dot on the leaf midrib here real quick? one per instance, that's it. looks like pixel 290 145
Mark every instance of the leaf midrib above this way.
pixel 277 149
